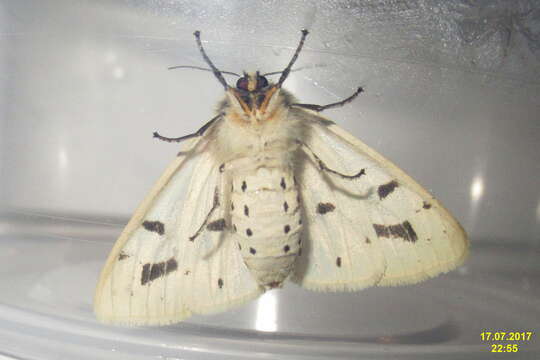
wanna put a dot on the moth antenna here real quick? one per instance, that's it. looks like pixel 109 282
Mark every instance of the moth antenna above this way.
pixel 287 70
pixel 200 68
pixel 295 70
pixel 215 70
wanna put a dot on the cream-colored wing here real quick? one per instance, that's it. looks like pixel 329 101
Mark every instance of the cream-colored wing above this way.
pixel 159 272
pixel 380 228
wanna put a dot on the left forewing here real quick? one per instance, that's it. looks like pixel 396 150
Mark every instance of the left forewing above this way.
pixel 167 264
pixel 380 228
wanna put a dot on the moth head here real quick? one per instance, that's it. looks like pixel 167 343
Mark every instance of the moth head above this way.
pixel 253 94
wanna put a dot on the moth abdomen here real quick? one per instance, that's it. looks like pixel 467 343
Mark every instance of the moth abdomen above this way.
pixel 267 226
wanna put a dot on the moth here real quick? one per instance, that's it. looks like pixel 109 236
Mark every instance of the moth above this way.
pixel 270 190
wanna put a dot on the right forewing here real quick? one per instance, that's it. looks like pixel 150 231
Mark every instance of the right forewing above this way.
pixel 380 228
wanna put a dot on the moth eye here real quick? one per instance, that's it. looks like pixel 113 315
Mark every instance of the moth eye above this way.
pixel 242 83
pixel 261 82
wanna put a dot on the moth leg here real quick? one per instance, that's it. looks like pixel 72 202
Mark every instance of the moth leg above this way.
pixel 217 225
pixel 198 133
pixel 319 108
pixel 323 167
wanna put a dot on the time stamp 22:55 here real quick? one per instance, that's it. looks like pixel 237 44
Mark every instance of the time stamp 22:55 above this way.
pixel 500 339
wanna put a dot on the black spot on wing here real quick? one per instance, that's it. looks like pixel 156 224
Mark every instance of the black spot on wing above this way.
pixel 410 231
pixel 426 205
pixel 338 261
pixel 172 265
pixel 249 232
pixel 252 251
pixel 286 248
pixel 154 226
pixel 283 184
pixel 151 272
pixel 285 206
pixel 246 210
pixel 324 208
pixel 220 283
pixel 403 230
pixel 123 256
pixel 386 189
pixel 286 229
pixel 217 225
pixel 368 241
pixel 244 186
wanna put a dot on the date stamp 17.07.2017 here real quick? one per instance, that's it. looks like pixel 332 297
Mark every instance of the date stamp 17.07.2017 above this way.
pixel 506 341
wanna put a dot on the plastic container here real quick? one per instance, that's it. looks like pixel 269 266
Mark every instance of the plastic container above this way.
pixel 451 97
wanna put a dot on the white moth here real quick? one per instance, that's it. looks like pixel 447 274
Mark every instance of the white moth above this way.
pixel 269 190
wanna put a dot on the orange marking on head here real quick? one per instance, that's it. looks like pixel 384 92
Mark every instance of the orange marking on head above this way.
pixel 244 106
pixel 267 98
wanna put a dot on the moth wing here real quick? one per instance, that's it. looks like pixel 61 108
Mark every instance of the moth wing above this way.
pixel 381 228
pixel 155 274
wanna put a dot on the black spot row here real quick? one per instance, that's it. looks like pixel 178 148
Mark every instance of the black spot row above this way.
pixel 150 272
pixel 403 230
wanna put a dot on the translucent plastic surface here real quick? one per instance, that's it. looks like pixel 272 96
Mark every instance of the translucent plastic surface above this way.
pixel 451 97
